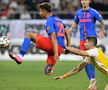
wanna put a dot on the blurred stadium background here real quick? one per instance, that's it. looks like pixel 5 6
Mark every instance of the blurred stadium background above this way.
pixel 20 16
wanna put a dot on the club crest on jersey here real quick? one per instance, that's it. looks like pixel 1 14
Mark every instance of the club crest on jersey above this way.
pixel 48 28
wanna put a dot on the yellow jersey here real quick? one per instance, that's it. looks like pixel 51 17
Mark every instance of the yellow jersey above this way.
pixel 98 58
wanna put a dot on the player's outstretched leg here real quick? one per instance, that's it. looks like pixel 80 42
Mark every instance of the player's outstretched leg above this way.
pixel 24 48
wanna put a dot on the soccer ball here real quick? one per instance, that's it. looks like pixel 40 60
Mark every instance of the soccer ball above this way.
pixel 4 42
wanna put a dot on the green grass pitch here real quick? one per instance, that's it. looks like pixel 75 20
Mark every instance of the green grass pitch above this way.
pixel 30 76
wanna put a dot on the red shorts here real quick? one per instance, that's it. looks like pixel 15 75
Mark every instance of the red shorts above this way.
pixel 45 44
pixel 82 46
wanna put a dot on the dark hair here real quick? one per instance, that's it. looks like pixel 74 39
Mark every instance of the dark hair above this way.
pixel 93 39
pixel 46 6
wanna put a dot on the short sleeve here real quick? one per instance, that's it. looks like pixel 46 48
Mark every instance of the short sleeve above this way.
pixel 76 19
pixel 97 15
pixel 50 27
pixel 93 52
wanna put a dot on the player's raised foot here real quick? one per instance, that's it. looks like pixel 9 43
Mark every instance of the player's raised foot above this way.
pixel 16 58
pixel 49 69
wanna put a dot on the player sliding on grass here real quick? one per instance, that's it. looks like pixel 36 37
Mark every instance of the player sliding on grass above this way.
pixel 93 55
pixel 53 44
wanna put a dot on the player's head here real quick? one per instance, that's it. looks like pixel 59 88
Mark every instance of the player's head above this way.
pixel 85 3
pixel 44 9
pixel 91 42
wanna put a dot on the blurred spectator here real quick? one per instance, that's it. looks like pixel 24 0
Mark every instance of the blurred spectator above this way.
pixel 5 2
pixel 21 6
pixel 55 4
pixel 13 4
pixel 4 11
pixel 11 9
pixel 25 15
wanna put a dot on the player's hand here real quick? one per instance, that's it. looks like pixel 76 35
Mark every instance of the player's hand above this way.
pixel 101 34
pixel 68 48
pixel 58 78
pixel 66 51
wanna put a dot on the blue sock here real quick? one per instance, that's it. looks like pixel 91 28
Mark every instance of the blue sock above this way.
pixel 25 46
pixel 90 69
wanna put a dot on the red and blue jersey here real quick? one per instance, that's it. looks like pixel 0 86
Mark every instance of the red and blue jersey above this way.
pixel 86 20
pixel 54 24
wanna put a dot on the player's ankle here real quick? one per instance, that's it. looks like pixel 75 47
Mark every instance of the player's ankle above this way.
pixel 93 80
pixel 20 58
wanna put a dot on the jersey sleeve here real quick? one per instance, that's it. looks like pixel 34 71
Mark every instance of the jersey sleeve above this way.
pixel 76 19
pixel 50 27
pixel 93 52
pixel 97 15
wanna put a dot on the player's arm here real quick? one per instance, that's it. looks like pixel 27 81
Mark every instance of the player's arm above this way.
pixel 68 38
pixel 68 33
pixel 102 30
pixel 73 71
pixel 75 23
pixel 73 26
pixel 55 45
pixel 98 16
pixel 51 32
pixel 77 51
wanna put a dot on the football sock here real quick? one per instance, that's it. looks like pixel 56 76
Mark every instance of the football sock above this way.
pixel 90 69
pixel 25 46
pixel 92 79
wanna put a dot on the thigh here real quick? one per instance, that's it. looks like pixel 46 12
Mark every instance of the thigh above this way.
pixel 32 36
pixel 44 43
pixel 50 58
